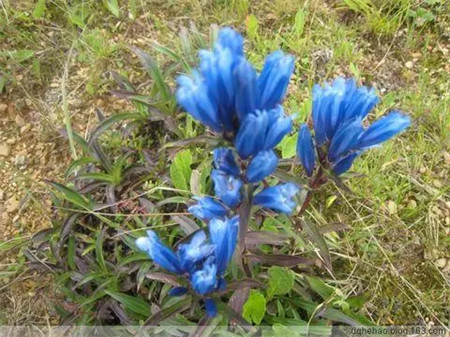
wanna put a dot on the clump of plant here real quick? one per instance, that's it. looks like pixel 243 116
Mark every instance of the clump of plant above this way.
pixel 138 256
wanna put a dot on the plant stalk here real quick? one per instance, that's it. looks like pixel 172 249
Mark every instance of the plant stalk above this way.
pixel 244 217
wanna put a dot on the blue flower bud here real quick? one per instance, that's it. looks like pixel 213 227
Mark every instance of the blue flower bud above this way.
pixel 207 208
pixel 178 291
pixel 224 161
pixel 278 198
pixel 305 150
pixel 228 38
pixel 262 165
pixel 274 79
pixel 247 92
pixel 227 187
pixel 210 307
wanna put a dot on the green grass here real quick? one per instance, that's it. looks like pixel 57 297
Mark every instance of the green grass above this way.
pixel 399 215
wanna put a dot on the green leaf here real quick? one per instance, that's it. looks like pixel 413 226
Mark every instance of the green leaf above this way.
pixel 79 162
pixel 100 176
pixel 180 170
pixel 113 7
pixel 107 122
pixel 324 290
pixel 99 251
pixel 317 238
pixel 39 9
pixel 19 55
pixel 252 26
pixel 155 73
pixel 132 303
pixel 281 281
pixel 255 307
pixel 299 23
pixel 71 195
pixel 289 146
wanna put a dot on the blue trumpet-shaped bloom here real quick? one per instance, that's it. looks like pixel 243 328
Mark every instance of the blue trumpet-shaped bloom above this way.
pixel 224 161
pixel 338 112
pixel 384 129
pixel 305 150
pixel 203 262
pixel 262 165
pixel 278 198
pixel 223 235
pixel 197 250
pixel 227 187
pixel 205 280
pixel 208 208
pixel 226 88
pixel 262 131
pixel 159 253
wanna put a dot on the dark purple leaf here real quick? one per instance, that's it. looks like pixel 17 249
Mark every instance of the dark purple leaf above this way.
pixel 260 237
pixel 238 299
pixel 244 283
pixel 280 259
pixel 180 306
pixel 188 225
pixel 164 278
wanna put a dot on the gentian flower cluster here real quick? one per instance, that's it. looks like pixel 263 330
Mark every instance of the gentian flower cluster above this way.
pixel 202 263
pixel 228 96
pixel 338 112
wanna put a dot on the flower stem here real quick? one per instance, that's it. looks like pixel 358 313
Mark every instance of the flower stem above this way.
pixel 244 217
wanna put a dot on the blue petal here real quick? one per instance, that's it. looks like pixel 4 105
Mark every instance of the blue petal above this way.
pixel 210 307
pixel 195 251
pixel 305 150
pixel 384 129
pixel 193 96
pixel 224 161
pixel 278 198
pixel 208 208
pixel 159 253
pixel 227 188
pixel 262 165
pixel 252 134
pixel 223 235
pixel 345 139
pixel 344 164
pixel 230 39
pixel 178 291
pixel 205 280
pixel 319 111
pixel 274 79
pixel 246 89
pixel 278 126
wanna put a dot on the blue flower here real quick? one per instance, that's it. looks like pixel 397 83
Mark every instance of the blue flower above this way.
pixel 210 307
pixel 227 187
pixel 195 251
pixel 208 208
pixel 305 150
pixel 384 129
pixel 224 161
pixel 205 280
pixel 192 95
pixel 226 88
pixel 338 103
pixel 278 198
pixel 261 131
pixel 274 79
pixel 178 291
pixel 338 112
pixel 223 235
pixel 159 253
pixel 262 165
